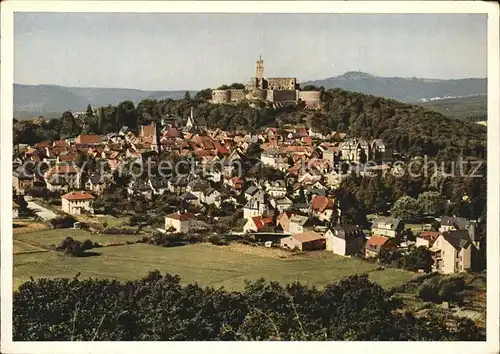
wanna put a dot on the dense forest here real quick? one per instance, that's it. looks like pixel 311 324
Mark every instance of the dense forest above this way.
pixel 403 127
pixel 158 307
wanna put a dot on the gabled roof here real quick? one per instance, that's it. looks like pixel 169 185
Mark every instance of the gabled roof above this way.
pixel 309 236
pixel 88 139
pixel 261 222
pixel 429 236
pixel 181 216
pixel 251 190
pixel 377 240
pixel 458 239
pixel 188 196
pixel 61 170
pixel 210 190
pixel 77 196
pixel 457 222
pixel 393 222
pixel 320 203
pixel 347 232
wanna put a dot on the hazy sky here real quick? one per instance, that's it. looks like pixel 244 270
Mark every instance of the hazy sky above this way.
pixel 194 51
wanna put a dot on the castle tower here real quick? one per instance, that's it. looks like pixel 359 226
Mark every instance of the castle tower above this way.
pixel 259 73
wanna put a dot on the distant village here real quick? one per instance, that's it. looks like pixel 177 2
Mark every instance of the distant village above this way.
pixel 298 212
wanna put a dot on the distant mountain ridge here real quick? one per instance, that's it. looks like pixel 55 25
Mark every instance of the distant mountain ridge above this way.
pixel 54 98
pixel 410 90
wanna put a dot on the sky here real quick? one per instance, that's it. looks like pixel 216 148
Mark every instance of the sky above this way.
pixel 160 51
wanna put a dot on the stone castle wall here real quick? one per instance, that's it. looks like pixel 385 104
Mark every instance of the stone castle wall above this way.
pixel 273 89
pixel 282 95
pixel 257 94
pixel 237 95
pixel 221 96
pixel 311 98
pixel 281 83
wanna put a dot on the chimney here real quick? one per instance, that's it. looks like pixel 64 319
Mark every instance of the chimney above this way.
pixel 178 212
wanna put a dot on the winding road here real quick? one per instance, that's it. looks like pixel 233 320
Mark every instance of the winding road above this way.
pixel 41 212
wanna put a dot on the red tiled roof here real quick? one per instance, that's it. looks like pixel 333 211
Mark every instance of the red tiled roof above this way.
pixel 61 170
pixel 88 139
pixel 67 157
pixel 222 150
pixel 236 181
pixel 172 133
pixel 430 236
pixel 181 216
pixel 77 196
pixel 261 222
pixel 308 236
pixel 42 145
pixel 321 203
pixel 377 240
pixel 61 143
pixel 147 130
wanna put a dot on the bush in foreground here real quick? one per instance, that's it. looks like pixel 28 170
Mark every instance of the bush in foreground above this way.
pixel 158 308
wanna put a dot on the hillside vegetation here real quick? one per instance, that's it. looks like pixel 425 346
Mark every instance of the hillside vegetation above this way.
pixel 468 108
pixel 159 308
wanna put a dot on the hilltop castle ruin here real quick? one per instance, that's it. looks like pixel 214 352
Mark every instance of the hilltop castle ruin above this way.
pixel 278 90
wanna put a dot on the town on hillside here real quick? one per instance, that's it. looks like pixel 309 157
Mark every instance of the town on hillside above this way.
pixel 190 174
pixel 272 188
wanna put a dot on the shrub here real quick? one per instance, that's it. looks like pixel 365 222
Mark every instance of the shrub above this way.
pixel 216 240
pixel 71 247
pixel 442 289
pixel 428 291
pixel 61 222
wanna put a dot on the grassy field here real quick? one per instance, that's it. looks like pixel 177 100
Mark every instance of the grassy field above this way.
pixel 54 237
pixel 23 247
pixel 205 264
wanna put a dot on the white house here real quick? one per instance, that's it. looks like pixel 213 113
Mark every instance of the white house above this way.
pixel 179 222
pixel 345 240
pixel 426 238
pixel 77 202
pixel 254 208
pixel 258 224
pixel 276 188
pixel 281 204
pixel 211 196
pixel 452 252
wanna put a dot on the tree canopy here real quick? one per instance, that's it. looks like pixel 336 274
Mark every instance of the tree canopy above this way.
pixel 158 307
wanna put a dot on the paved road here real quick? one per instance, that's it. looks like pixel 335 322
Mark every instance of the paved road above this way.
pixel 42 212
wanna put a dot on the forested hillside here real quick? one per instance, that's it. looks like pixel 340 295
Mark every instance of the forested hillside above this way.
pixel 403 127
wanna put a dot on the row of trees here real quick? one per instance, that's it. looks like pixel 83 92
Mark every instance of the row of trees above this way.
pixel 159 308
pixel 417 258
pixel 410 198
